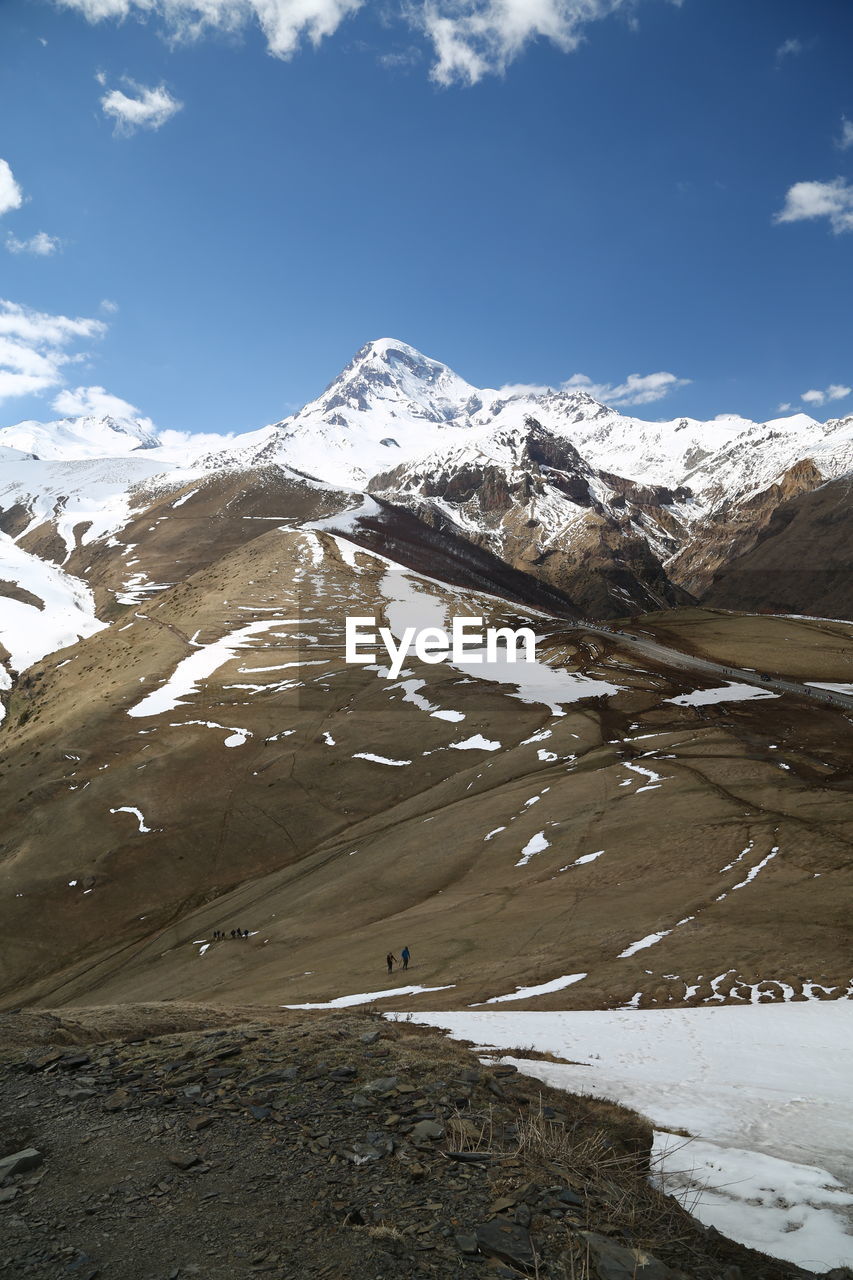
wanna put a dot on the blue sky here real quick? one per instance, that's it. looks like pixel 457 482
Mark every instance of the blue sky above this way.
pixel 441 172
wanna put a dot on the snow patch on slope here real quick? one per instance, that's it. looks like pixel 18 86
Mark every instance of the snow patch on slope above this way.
pixel 65 612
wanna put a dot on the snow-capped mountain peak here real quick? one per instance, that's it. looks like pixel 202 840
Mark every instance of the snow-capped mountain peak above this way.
pixel 391 373
pixel 389 404
pixel 89 436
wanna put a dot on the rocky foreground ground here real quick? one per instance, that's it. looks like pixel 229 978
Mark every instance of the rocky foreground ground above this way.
pixel 166 1143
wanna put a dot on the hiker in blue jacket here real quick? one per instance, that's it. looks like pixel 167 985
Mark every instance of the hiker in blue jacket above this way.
pixel 404 956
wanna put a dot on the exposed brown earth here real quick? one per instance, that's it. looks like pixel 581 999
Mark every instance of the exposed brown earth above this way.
pixel 165 1142
pixel 330 859
pixel 167 544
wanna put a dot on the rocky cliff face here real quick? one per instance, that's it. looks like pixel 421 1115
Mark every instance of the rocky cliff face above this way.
pixel 532 499
pixel 734 529
pixel 800 562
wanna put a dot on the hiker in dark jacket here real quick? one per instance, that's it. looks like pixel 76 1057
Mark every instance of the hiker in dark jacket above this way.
pixel 404 955
pixel 390 960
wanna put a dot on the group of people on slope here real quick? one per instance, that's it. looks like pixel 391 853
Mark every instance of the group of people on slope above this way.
pixel 391 959
pixel 219 934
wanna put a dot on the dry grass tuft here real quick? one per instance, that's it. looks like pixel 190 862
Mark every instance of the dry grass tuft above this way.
pixel 381 1231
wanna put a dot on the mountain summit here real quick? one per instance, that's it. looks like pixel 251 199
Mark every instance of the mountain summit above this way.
pixel 392 404
pixel 390 372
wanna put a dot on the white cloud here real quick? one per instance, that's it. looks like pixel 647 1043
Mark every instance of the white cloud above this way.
pixel 108 306
pixel 142 108
pixel 835 391
pixel 807 200
pixel 284 23
pixel 789 49
pixel 11 195
pixel 524 389
pixel 41 244
pixel 92 402
pixel 784 408
pixel 472 38
pixel 636 389
pixel 400 59
pixel 33 348
pixel 846 139
pixel 204 440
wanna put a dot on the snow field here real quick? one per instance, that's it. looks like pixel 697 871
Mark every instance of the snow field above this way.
pixel 66 615
pixel 136 814
pixel 765 1090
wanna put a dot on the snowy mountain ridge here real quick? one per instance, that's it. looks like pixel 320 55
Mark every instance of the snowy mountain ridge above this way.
pixel 89 436
pixel 611 510
pixel 391 405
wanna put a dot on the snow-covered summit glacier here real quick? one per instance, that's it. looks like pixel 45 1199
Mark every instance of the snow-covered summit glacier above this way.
pixel 391 373
pixel 389 405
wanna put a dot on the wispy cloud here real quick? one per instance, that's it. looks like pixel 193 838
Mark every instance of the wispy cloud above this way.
pixel 140 108
pixel 41 244
pixel 846 138
pixel 808 200
pixel 11 195
pixel 791 48
pixel 34 347
pixel 835 391
pixel 636 389
pixel 401 59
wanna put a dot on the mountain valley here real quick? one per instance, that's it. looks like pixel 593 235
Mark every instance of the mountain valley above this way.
pixel 184 743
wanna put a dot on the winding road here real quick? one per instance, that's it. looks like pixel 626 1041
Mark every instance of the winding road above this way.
pixel 676 658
